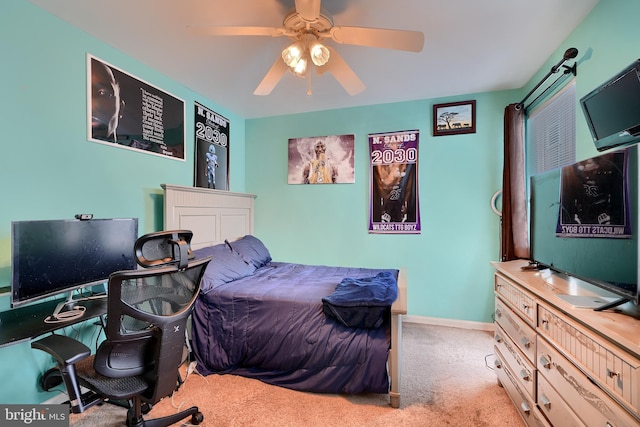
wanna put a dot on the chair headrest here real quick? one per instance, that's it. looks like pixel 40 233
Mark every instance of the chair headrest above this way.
pixel 164 247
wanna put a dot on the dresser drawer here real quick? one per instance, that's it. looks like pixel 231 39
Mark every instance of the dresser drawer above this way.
pixel 523 403
pixel 523 335
pixel 520 301
pixel 611 367
pixel 595 407
pixel 523 370
pixel 556 410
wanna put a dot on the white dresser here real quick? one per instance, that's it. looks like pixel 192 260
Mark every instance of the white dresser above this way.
pixel 564 366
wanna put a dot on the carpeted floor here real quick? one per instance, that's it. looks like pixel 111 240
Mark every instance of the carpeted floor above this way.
pixel 447 380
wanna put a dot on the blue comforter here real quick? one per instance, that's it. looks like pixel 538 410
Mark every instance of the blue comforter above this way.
pixel 270 325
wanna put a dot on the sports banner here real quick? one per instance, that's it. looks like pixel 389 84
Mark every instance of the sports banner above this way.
pixel 594 198
pixel 394 207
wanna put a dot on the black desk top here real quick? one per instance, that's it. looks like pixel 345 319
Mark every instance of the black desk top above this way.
pixel 24 323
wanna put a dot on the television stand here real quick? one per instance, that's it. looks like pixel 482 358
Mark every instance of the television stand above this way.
pixel 597 303
pixel 69 309
pixel 66 311
pixel 612 304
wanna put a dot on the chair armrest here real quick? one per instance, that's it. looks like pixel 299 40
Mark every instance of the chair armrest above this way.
pixel 66 351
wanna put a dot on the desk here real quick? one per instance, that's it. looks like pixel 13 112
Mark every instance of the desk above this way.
pixel 25 323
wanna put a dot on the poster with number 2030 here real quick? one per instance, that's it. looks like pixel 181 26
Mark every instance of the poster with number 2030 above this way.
pixel 393 207
pixel 212 149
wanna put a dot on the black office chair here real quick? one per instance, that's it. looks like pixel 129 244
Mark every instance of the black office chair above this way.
pixel 147 312
pixel 163 247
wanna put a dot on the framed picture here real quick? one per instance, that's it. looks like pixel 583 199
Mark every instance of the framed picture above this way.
pixel 454 118
pixel 322 160
pixel 126 112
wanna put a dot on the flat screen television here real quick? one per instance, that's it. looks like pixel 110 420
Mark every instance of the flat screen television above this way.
pixel 52 257
pixel 612 110
pixel 584 226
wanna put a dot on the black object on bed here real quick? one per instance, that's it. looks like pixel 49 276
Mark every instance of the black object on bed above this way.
pixel 266 320
pixel 362 303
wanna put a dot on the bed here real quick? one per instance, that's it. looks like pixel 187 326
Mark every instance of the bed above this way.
pixel 312 328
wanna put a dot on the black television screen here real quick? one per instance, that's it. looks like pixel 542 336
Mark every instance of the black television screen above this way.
pixel 51 257
pixel 612 110
pixel 594 237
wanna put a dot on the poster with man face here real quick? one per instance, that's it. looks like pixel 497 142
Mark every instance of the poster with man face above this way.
pixel 129 113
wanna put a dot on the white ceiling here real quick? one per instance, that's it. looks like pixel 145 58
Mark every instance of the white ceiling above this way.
pixel 470 46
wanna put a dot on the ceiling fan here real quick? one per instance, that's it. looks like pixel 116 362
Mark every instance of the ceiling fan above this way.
pixel 308 27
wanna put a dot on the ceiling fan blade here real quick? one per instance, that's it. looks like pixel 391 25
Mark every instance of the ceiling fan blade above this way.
pixel 238 31
pixel 412 41
pixel 342 72
pixel 309 10
pixel 272 78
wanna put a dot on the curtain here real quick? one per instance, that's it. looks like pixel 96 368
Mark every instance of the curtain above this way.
pixel 514 227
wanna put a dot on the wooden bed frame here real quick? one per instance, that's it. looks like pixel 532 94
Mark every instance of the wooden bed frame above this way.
pixel 215 215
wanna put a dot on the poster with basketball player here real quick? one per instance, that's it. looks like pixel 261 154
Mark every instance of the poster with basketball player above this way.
pixel 393 207
pixel 322 160
pixel 212 149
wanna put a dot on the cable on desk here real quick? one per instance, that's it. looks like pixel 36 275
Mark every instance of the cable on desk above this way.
pixel 66 316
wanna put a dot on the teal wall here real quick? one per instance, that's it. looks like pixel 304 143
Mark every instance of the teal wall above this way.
pixel 608 40
pixel 448 264
pixel 49 170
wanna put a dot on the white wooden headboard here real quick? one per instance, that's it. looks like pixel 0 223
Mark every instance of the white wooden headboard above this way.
pixel 212 215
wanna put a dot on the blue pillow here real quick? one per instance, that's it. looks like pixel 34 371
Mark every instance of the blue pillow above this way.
pixel 252 250
pixel 225 266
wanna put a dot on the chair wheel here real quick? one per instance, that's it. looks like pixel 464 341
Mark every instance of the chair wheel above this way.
pixel 146 408
pixel 197 418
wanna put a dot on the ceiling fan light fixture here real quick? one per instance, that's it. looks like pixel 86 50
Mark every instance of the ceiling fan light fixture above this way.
pixel 292 54
pixel 300 69
pixel 307 27
pixel 319 53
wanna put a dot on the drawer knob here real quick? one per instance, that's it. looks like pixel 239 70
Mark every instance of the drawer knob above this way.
pixel 497 363
pixel 545 361
pixel 498 313
pixel 525 375
pixel 498 338
pixel 545 401
pixel 525 408
pixel 525 342
pixel 612 374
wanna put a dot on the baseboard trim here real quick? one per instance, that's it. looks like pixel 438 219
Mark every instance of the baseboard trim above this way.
pixel 453 323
